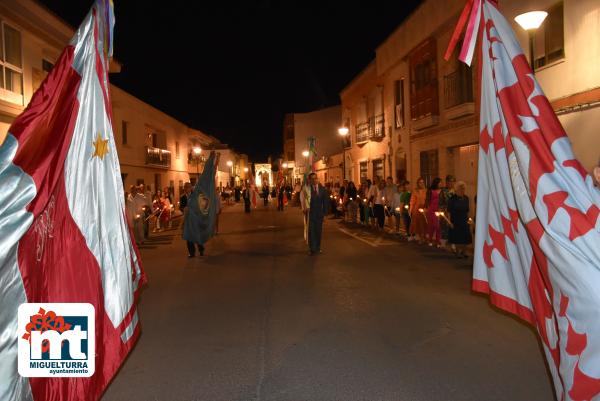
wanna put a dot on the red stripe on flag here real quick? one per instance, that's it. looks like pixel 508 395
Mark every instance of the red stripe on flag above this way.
pixel 502 302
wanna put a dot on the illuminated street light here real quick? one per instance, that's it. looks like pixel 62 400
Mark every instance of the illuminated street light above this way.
pixel 245 169
pixel 343 131
pixel 530 22
pixel 285 165
pixel 305 153
pixel 197 150
pixel 230 163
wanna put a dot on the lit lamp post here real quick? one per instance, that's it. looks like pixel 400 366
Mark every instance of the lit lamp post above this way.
pixel 530 22
pixel 230 165
pixel 305 154
pixel 197 150
pixel 343 131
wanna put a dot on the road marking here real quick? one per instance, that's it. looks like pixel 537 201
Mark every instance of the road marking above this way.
pixel 358 237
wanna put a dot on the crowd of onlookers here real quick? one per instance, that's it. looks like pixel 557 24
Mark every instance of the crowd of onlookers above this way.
pixel 144 208
pixel 437 215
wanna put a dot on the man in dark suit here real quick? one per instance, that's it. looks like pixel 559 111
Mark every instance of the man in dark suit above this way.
pixel 316 210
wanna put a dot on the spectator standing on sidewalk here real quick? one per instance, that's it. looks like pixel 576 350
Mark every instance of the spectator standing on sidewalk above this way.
pixel 379 205
pixel 418 224
pixel 405 206
pixel 351 195
pixel 432 205
pixel 388 192
pixel 459 233
pixel 395 207
pixel 371 193
pixel 446 193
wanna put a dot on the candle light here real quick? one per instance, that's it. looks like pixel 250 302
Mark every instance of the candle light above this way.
pixel 397 209
pixel 421 210
pixel 406 207
pixel 437 214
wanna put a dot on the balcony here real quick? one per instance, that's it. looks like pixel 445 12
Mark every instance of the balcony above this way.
pixel 371 130
pixel 376 127
pixel 362 132
pixel 158 157
pixel 458 94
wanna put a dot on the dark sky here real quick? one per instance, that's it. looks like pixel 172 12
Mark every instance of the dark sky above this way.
pixel 233 69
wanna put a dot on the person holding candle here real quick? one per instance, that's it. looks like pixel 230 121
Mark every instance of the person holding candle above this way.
pixel 405 207
pixel 459 233
pixel 417 211
pixel 433 210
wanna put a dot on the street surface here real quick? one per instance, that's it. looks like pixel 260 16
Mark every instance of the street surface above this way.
pixel 369 319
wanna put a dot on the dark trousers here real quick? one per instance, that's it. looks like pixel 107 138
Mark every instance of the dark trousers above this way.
pixel 315 228
pixel 192 250
pixel 406 217
pixel 280 203
pixel 247 206
pixel 266 200
pixel 379 213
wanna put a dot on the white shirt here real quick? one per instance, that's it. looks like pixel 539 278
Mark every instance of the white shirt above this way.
pixel 394 202
pixel 372 192
pixel 139 201
pixel 379 197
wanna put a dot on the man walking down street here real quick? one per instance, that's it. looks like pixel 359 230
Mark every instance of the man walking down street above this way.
pixel 183 206
pixel 316 211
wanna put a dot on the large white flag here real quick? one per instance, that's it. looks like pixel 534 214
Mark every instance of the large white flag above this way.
pixel 537 242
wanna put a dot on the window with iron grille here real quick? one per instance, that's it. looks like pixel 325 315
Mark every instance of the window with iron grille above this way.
pixel 363 172
pixel 378 169
pixel 429 165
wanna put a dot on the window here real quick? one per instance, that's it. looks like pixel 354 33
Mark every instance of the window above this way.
pixel 550 38
pixel 124 132
pixel 423 81
pixel 399 103
pixel 363 172
pixel 429 165
pixel 290 156
pixel 11 71
pixel 458 86
pixel 47 66
pixel 378 169
pixel 176 150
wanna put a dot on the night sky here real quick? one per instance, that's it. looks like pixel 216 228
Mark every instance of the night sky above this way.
pixel 233 69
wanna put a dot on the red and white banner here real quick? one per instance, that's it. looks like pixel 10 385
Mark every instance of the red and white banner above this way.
pixel 63 233
pixel 537 246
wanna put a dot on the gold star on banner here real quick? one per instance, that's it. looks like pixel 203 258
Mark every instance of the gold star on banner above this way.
pixel 100 147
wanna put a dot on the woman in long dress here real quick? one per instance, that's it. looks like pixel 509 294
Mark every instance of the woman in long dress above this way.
pixel 433 208
pixel 418 225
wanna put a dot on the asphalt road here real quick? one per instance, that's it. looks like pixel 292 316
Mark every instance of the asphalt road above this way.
pixel 369 319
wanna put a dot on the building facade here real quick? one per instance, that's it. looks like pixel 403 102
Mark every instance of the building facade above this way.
pixel 413 114
pixel 298 127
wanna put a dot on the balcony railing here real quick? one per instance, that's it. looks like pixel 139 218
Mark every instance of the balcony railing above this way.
pixel 362 132
pixel 458 88
pixel 376 127
pixel 373 129
pixel 158 157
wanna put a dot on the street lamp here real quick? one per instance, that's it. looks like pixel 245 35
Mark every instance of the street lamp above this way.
pixel 197 150
pixel 284 165
pixel 530 22
pixel 305 153
pixel 343 131
pixel 230 165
